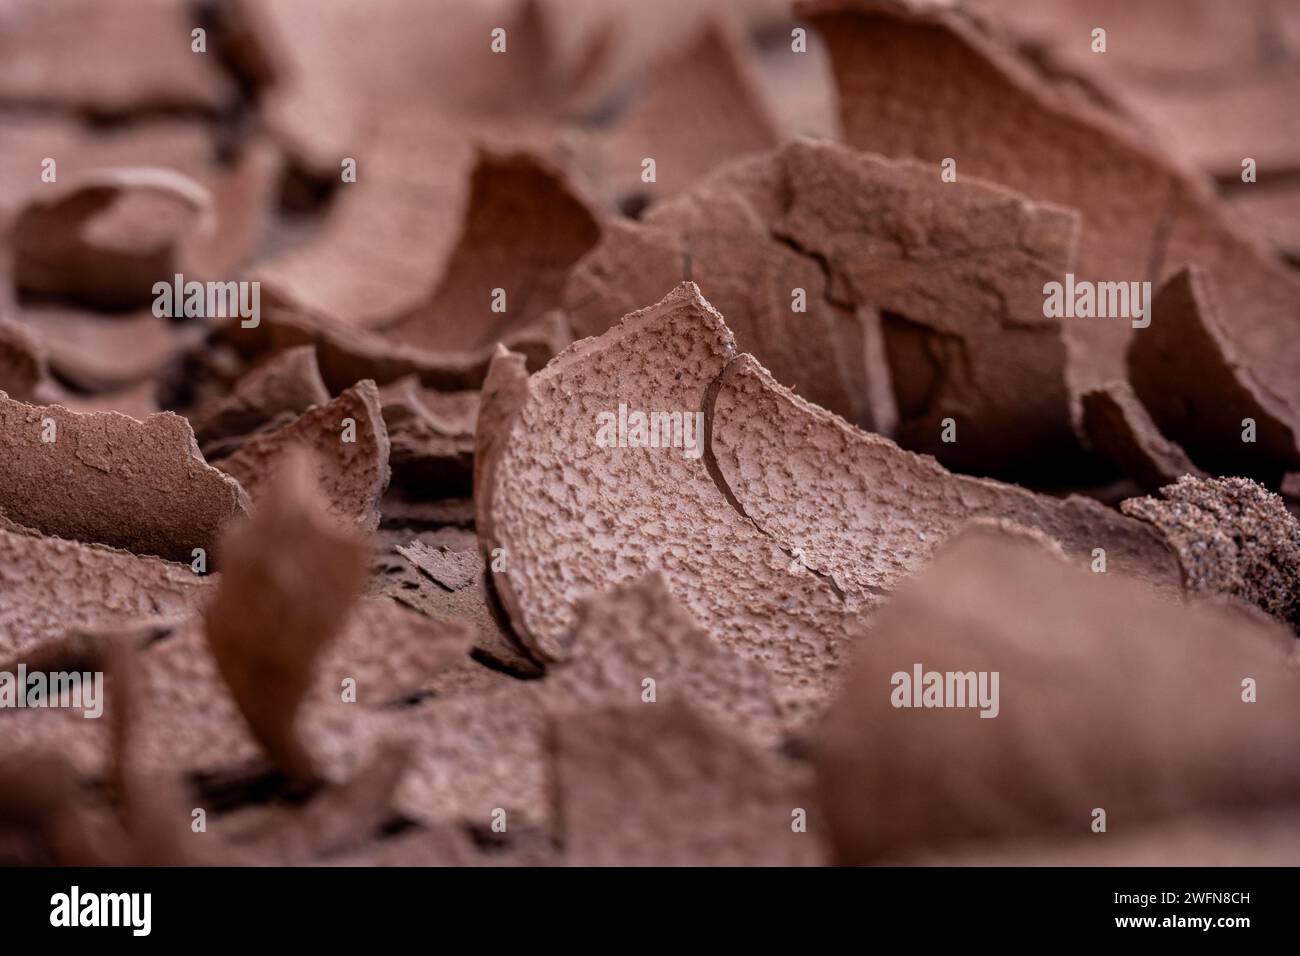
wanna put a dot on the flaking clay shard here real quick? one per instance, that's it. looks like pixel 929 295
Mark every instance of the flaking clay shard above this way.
pixel 431 442
pixel 293 573
pixel 1199 389
pixel 109 58
pixel 105 239
pixel 171 197
pixel 781 459
pixel 288 381
pixel 576 502
pixel 638 631
pixel 454 570
pixel 1106 695
pixel 51 586
pixel 699 106
pixel 524 228
pixel 1143 216
pixel 873 288
pixel 106 478
pixel 349 446
pixel 1232 536
pixel 424 590
pixel 1120 429
pixel 658 785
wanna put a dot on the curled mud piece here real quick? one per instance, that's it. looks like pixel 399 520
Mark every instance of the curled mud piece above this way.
pixel 574 513
pixel 1202 393
pixel 1232 536
pixel 440 588
pixel 1107 696
pixel 1003 118
pixel 288 381
pixel 875 289
pixel 1120 429
pixel 108 58
pixel 106 239
pixel 660 786
pixel 524 228
pixel 52 586
pixel 292 575
pixel 893 508
pixel 169 196
pixel 109 479
pixel 454 570
pixel 350 453
pixel 431 452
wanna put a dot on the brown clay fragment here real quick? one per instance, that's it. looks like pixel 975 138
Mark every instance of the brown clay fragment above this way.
pixel 1201 391
pixel 1121 430
pixel 106 478
pixel 431 451
pixel 292 574
pixel 288 381
pixel 546 479
pixel 429 590
pixel 350 449
pixel 1109 697
pixel 454 570
pixel 75 246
